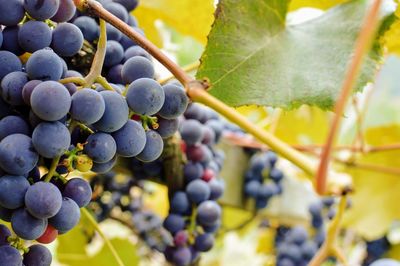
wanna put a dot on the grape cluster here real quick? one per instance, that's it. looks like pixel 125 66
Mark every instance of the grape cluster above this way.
pixel 263 180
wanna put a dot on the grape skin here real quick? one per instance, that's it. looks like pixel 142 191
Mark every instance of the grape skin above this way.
pixel 100 147
pixel 65 12
pixel 130 139
pixel 198 191
pixel 9 62
pixel 12 191
pixel 208 213
pixel 43 200
pixel 79 190
pixel 88 27
pixel 114 53
pixel 10 41
pixel 50 101
pixel 44 64
pixel 34 35
pixel 12 125
pixel 167 127
pixel 137 67
pixel 51 139
pixel 17 155
pixel 175 102
pixel 37 255
pixel 145 96
pixel 67 217
pixel 67 39
pixel 26 226
pixel 11 87
pixel 10 255
pixel 11 12
pixel 153 147
pixel 87 106
pixel 28 89
pixel 41 9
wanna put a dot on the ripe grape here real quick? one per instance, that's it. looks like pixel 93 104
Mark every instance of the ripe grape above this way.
pixel 114 53
pixel 174 223
pixel 44 64
pixel 67 39
pixel 9 256
pixel 204 242
pixel 179 203
pixel 79 190
pixel 28 89
pixel 41 9
pixel 37 255
pixel 130 139
pixel 26 226
pixel 136 51
pixel 12 85
pixel 136 68
pixel 9 62
pixel 88 27
pixel 145 96
pixel 34 35
pixel 11 12
pixel 191 131
pixel 198 191
pixel 167 127
pixel 208 213
pixel 10 41
pixel 175 102
pixel 12 191
pixel 43 200
pixel 51 139
pixel 13 124
pixel 100 147
pixel 65 12
pixel 153 147
pixel 87 106
pixel 67 217
pixel 117 10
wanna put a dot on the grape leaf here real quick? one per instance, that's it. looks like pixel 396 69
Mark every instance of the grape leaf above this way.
pixel 375 201
pixel 253 57
pixel 189 17
pixel 391 39
pixel 321 4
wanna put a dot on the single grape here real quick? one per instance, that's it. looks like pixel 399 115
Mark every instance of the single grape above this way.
pixel 145 96
pixel 34 35
pixel 88 27
pixel 181 238
pixel 113 33
pixel 9 256
pixel 9 62
pixel 100 147
pixel 251 188
pixel 17 155
pixel 44 64
pixel 104 167
pixel 308 250
pixel 128 4
pixel 10 42
pixel 11 12
pixel 136 68
pixel 48 236
pixel 13 124
pixel 26 226
pixel 114 53
pixel 179 203
pixel 4 234
pixel 114 75
pixel 191 131
pixel 315 208
pixel 204 242
pixel 117 10
pixel 12 191
pixel 136 51
pixel 12 85
pixel 5 214
pixel 67 217
pixel 132 21
pixel 37 255
pixel 217 188
pixel 167 127
pixel 174 223
pixel 192 171
pixel 130 139
pixel 175 102
pixel 67 39
pixel 28 89
pixel 208 213
pixel 87 106
pixel 43 200
pixel 153 147
pixel 65 12
pixel 297 235
pixel 41 9
pixel 79 190
pixel 51 139
pixel 116 112
pixel 198 191
pixel 50 101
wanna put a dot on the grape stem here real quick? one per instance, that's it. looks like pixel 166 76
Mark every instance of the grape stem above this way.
pixel 96 226
pixel 196 89
pixel 362 46
pixel 75 80
pixel 329 247
pixel 52 169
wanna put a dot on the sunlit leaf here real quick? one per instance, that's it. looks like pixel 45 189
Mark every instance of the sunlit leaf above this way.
pixel 321 4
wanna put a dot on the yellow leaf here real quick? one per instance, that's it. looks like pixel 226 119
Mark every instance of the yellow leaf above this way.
pixel 377 194
pixel 189 17
pixel 321 4
pixel 391 39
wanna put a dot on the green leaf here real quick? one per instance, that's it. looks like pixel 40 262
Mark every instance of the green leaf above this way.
pixel 254 57
pixel 321 4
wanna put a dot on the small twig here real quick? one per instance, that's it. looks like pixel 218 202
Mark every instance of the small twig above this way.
pixel 362 45
pixel 76 80
pixel 103 82
pixel 96 226
pixel 52 169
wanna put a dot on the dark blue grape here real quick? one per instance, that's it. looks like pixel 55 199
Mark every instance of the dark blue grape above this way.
pixel 9 62
pixel 179 203
pixel 266 191
pixel 208 213
pixel 290 251
pixel 100 147
pixel 11 12
pixel 315 208
pixel 9 256
pixel 67 217
pixel 34 35
pixel 104 167
pixel 50 101
pixel 79 190
pixel 17 155
pixel 130 139
pixel 43 200
pixel 26 226
pixel 297 235
pixel 13 124
pixel 136 51
pixel 209 136
pixel 198 191
pixel 5 214
pixel 51 139
pixel 167 127
pixel 153 147
pixel 12 191
pixel 65 12
pixel 28 89
pixel 87 106
pixel 128 4
pixel 204 242
pixel 192 171
pixel 191 131
pixel 251 188
pixel 175 102
pixel 67 39
pixel 114 75
pixel 217 188
pixel 308 250
pixel 182 256
pixel 132 21
pixel 4 234
pixel 114 53
pixel 12 86
pixel 385 262
pixel 145 96
pixel 44 64
pixel 137 67
pixel 117 10
pixel 41 9
pixel 38 255
pixel 116 112
pixel 88 27
pixel 174 223
pixel 113 33
pixel 276 175
pixel 10 41
pixel 217 127
pixel 126 42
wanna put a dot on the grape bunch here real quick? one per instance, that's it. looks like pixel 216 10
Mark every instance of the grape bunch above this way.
pixel 263 180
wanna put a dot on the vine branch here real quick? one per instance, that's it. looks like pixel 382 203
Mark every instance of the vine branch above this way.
pixel 362 45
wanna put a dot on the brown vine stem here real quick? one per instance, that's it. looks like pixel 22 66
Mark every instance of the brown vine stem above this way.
pixel 196 89
pixel 363 44
pixel 329 247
